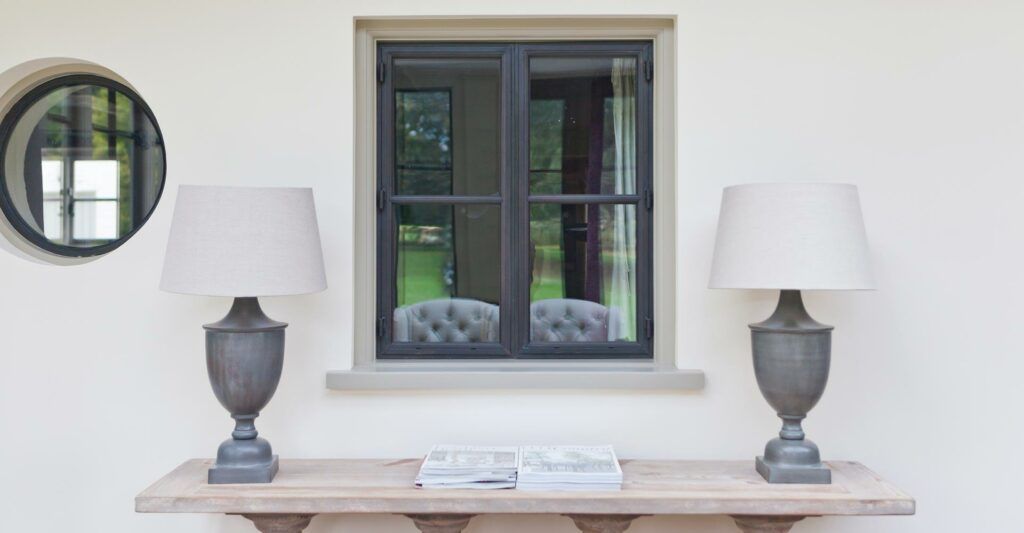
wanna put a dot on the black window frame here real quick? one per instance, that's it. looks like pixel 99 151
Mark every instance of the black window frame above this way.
pixel 514 200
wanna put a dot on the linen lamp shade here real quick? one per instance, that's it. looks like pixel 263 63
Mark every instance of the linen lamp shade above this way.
pixel 802 236
pixel 243 241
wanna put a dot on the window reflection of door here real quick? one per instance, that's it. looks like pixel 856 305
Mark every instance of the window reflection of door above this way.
pixel 81 196
pixel 88 147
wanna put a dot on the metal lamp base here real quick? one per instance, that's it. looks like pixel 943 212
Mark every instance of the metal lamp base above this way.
pixel 245 473
pixel 244 357
pixel 244 461
pixel 792 353
pixel 787 473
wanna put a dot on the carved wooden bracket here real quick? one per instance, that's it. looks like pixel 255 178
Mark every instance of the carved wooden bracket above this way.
pixel 766 524
pixel 603 523
pixel 280 523
pixel 440 523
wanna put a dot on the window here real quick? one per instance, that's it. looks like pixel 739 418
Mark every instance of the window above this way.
pixel 80 206
pixel 514 200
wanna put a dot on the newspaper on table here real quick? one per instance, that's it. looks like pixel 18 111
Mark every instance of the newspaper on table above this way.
pixel 568 468
pixel 469 467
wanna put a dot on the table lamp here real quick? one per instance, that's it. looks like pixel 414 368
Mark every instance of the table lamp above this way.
pixel 791 237
pixel 244 242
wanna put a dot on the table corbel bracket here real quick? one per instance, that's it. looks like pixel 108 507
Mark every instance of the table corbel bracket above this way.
pixel 603 523
pixel 440 523
pixel 765 524
pixel 280 523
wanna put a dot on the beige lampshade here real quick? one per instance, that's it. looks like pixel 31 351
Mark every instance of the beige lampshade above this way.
pixel 243 241
pixel 791 236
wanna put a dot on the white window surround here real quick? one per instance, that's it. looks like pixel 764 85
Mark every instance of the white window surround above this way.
pixel 661 372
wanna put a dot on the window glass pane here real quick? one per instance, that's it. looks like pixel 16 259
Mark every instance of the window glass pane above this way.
pixel 447 126
pixel 96 179
pixel 101 109
pixel 52 183
pixel 53 219
pixel 582 273
pixel 423 147
pixel 52 177
pixel 546 146
pixel 95 220
pixel 583 125
pixel 448 273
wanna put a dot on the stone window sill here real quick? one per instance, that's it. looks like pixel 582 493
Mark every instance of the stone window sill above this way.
pixel 468 375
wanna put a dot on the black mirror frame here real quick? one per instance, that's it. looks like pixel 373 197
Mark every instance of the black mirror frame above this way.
pixel 11 119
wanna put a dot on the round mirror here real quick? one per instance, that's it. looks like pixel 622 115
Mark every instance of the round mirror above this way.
pixel 81 165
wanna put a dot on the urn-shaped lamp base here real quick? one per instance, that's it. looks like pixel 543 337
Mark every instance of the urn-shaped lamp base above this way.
pixel 244 357
pixel 791 362
pixel 244 461
pixel 792 461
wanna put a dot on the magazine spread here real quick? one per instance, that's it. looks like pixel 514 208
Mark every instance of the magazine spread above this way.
pixel 469 467
pixel 568 467
pixel 527 468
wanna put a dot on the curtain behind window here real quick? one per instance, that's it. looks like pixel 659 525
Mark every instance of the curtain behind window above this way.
pixel 623 282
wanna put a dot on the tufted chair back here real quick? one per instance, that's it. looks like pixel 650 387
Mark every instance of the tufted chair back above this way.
pixel 569 320
pixel 447 320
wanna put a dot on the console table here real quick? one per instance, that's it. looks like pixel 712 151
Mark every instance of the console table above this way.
pixel 305 488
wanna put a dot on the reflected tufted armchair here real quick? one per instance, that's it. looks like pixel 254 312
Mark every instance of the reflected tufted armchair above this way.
pixel 447 320
pixel 569 320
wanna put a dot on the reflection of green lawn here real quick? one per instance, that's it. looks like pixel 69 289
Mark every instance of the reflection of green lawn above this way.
pixel 547 275
pixel 420 270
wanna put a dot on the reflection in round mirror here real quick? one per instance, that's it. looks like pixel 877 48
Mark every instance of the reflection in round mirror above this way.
pixel 81 165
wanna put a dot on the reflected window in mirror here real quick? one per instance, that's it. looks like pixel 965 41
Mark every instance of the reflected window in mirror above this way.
pixel 82 165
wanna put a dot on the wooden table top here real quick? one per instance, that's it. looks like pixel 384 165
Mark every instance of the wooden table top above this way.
pixel 318 486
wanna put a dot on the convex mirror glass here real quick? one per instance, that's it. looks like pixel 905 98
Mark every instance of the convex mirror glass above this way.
pixel 82 165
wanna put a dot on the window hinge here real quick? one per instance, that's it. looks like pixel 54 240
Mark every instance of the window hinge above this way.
pixel 381 325
pixel 649 327
pixel 382 199
pixel 648 70
pixel 649 198
pixel 380 72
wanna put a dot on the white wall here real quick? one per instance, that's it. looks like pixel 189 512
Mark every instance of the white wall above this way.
pixel 103 385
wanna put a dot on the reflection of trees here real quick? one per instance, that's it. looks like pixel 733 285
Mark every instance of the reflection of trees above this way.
pixel 546 117
pixel 423 155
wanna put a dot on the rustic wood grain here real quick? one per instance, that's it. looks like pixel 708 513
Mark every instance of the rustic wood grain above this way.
pixel 649 488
